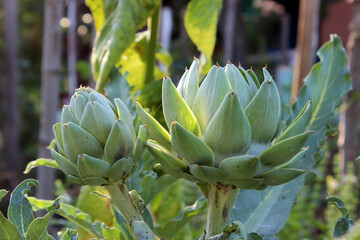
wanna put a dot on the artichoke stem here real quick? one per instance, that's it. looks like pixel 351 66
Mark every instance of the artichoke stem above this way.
pixel 119 194
pixel 221 199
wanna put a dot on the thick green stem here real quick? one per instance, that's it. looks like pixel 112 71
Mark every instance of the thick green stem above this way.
pixel 119 194
pixel 153 25
pixel 221 199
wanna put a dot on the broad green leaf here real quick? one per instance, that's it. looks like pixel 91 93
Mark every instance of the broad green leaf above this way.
pixel 47 162
pixel 201 19
pixel 343 223
pixel 70 234
pixel 120 223
pixel 20 212
pixel 112 233
pixel 97 10
pixel 71 213
pixel 117 34
pixel 266 212
pixel 151 185
pixel 133 61
pixel 97 208
pixel 172 227
pixel 8 230
pixel 38 228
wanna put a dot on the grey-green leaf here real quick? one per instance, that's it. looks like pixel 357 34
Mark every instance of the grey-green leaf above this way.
pixel 20 212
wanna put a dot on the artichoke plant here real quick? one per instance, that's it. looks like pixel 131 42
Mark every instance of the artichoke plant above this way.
pixel 96 140
pixel 226 130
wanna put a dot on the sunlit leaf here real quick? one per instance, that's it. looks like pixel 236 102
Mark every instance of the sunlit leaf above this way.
pixel 47 162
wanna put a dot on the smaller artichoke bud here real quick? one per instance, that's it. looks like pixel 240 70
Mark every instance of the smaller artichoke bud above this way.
pixel 95 141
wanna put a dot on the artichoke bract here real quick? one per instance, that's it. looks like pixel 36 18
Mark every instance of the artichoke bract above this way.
pixel 95 140
pixel 226 130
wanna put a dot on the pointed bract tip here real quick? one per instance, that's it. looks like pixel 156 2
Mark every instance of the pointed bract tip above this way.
pixel 310 101
pixel 269 81
pixel 251 68
pixel 228 62
pixel 239 64
pixel 311 131
pixel 186 69
pixel 232 93
pixel 195 58
pixel 217 64
pixel 265 66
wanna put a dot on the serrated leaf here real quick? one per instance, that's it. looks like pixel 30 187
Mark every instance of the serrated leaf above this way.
pixel 71 213
pixel 172 227
pixel 20 212
pixel 266 212
pixel 47 162
pixel 38 228
pixel 121 24
pixel 201 20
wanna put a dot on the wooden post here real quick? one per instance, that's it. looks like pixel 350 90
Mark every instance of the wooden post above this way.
pixel 50 78
pixel 71 46
pixel 348 136
pixel 307 38
pixel 11 124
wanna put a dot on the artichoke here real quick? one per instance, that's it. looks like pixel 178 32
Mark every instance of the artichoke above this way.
pixel 95 140
pixel 226 130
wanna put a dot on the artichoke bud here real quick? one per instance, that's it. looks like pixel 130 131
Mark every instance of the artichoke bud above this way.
pixel 176 109
pixel 191 148
pixel 120 142
pixel 229 132
pixel 223 131
pixel 95 143
pixel 238 84
pixel 241 167
pixel 263 112
pixel 97 121
pixel 210 96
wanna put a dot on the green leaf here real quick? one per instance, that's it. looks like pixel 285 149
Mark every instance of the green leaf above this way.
pixel 8 230
pixel 151 185
pixel 20 211
pixel 117 34
pixel 41 162
pixel 38 228
pixel 70 234
pixel 201 19
pixel 118 87
pixel 120 223
pixel 97 10
pixel 266 212
pixel 343 223
pixel 172 227
pixel 71 213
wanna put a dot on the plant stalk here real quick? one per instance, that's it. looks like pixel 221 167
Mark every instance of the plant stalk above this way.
pixel 221 199
pixel 153 25
pixel 119 194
